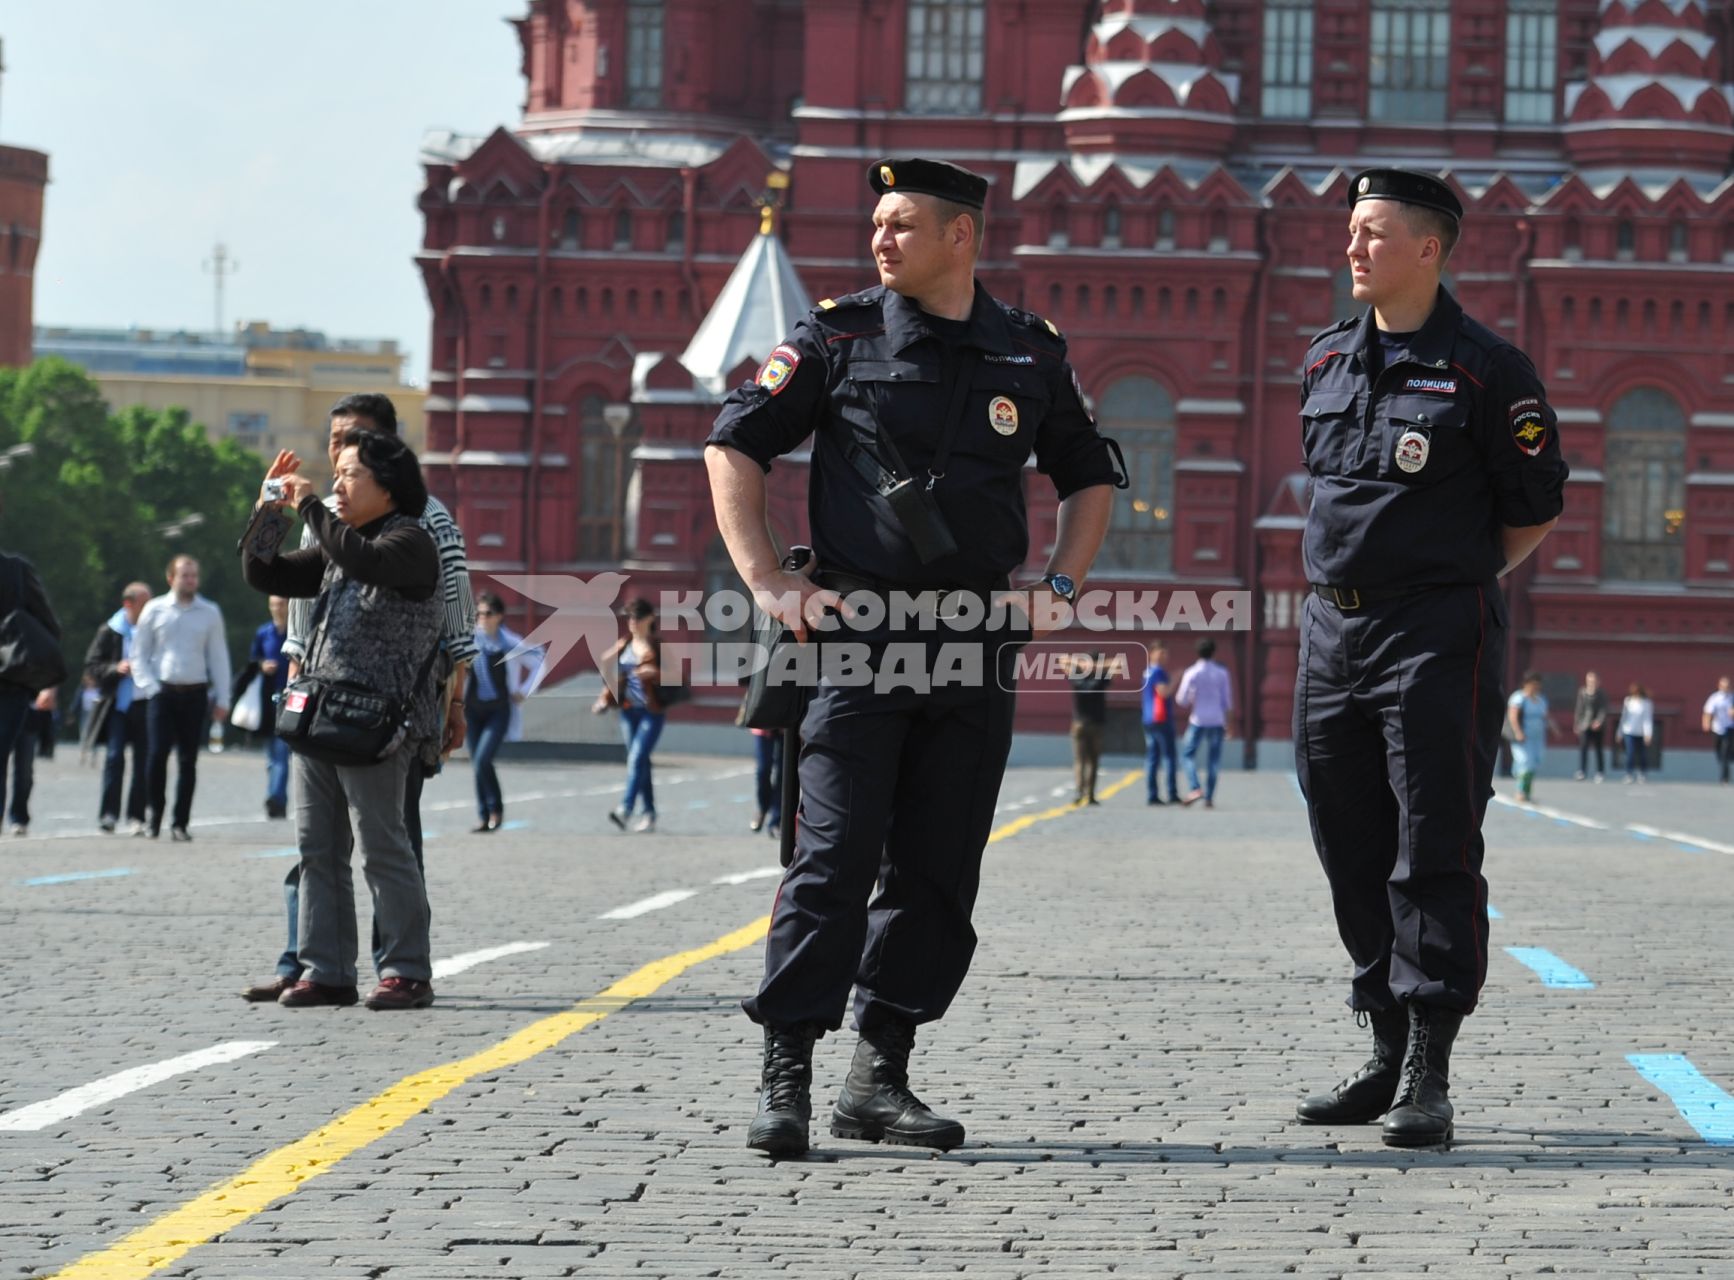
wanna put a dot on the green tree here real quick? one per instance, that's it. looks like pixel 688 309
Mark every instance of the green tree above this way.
pixel 100 499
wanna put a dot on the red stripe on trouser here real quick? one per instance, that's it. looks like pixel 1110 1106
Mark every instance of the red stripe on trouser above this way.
pixel 1474 826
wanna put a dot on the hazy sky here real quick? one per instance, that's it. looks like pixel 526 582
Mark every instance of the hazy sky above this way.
pixel 287 129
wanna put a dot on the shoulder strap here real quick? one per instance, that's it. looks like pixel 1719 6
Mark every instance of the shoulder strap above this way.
pixel 883 474
pixel 960 386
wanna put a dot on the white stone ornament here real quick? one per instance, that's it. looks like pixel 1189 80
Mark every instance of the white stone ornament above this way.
pixel 1412 450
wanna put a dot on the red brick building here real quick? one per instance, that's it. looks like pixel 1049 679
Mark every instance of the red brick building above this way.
pixel 1168 188
pixel 23 177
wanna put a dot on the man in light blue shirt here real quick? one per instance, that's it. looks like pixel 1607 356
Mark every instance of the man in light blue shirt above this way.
pixel 1208 693
pixel 180 663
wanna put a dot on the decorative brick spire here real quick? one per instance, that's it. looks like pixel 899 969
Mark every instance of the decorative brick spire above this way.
pixel 1151 83
pixel 1652 98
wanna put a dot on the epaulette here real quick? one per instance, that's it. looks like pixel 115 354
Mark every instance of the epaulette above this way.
pixel 1031 320
pixel 1341 326
pixel 864 298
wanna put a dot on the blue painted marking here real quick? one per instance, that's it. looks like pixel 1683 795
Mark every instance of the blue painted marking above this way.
pixel 1639 835
pixel 67 877
pixel 1553 971
pixel 1705 1106
pixel 290 851
pixel 1494 913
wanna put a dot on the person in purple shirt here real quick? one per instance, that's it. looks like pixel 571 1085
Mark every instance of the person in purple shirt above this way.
pixel 1206 691
pixel 1156 697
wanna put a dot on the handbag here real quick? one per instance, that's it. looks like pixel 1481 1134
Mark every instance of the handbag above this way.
pixel 248 713
pixel 341 722
pixel 30 656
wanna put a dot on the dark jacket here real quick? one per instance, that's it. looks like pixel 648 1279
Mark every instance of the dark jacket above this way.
pixel 380 617
pixel 101 666
pixel 1590 707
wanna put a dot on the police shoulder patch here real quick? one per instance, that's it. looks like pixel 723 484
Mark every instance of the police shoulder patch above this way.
pixel 1529 425
pixel 776 371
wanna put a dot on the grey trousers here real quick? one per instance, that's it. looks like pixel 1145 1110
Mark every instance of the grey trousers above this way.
pixel 331 802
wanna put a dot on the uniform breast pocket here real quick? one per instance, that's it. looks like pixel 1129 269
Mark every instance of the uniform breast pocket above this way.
pixel 1423 441
pixel 1002 411
pixel 1328 424
pixel 900 397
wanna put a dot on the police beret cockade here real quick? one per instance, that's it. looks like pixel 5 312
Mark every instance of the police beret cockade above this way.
pixel 1406 186
pixel 929 178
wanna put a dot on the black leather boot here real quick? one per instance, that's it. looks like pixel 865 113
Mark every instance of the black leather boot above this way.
pixel 785 1093
pixel 1367 1094
pixel 876 1104
pixel 1421 1114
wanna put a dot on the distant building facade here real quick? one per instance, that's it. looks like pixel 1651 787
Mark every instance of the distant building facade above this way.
pixel 1169 183
pixel 23 179
pixel 266 389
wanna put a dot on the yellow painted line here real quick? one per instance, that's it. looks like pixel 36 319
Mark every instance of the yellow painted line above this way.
pixel 1060 810
pixel 282 1172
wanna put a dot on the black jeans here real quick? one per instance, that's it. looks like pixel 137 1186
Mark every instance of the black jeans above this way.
pixel 125 730
pixel 1585 740
pixel 1725 752
pixel 176 722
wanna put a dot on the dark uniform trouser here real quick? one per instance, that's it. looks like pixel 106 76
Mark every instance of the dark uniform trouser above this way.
pixel 1397 711
pixel 898 787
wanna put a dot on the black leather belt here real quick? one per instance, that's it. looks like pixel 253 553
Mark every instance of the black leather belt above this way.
pixel 1349 599
pixel 186 688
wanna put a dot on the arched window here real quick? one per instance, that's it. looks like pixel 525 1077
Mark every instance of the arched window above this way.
pixel 1059 226
pixel 623 229
pixel 1572 234
pixel 943 59
pixel 1165 229
pixel 1625 241
pixel 676 232
pixel 1139 413
pixel 1679 249
pixel 1111 226
pixel 569 230
pixel 1645 496
pixel 607 434
pixel 1343 304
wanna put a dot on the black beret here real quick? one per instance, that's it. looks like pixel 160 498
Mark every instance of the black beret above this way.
pixel 929 178
pixel 1406 186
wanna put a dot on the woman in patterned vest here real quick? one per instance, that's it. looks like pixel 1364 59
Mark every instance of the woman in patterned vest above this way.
pixel 376 575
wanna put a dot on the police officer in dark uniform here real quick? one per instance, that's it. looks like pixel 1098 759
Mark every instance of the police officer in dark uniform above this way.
pixel 1436 469
pixel 924 397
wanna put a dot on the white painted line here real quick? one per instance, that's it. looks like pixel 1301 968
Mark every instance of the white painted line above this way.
pixel 39 1115
pixel 741 877
pixel 1680 837
pixel 643 906
pixel 1577 820
pixel 470 959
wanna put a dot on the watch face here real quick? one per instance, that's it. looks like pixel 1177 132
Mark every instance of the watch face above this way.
pixel 1062 585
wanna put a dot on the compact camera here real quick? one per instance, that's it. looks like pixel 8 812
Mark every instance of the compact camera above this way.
pixel 275 489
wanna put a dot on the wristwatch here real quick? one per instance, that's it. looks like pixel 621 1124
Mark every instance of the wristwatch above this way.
pixel 1062 585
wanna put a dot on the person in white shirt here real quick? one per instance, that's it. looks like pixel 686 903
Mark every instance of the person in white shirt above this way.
pixel 1719 721
pixel 180 664
pixel 1637 727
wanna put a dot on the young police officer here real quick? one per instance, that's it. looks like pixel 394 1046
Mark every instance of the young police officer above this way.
pixel 925 397
pixel 1436 469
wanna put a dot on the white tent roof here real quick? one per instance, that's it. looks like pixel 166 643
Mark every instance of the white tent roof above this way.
pixel 755 311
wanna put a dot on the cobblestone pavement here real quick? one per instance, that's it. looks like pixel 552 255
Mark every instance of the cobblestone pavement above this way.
pixel 1154 989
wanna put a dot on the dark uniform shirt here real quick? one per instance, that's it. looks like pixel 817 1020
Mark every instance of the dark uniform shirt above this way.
pixel 1418 461
pixel 875 361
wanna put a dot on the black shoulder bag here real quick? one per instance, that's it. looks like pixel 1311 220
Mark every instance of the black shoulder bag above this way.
pixel 30 656
pixel 340 722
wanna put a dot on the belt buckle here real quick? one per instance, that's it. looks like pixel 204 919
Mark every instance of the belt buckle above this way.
pixel 939 604
pixel 1344 604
